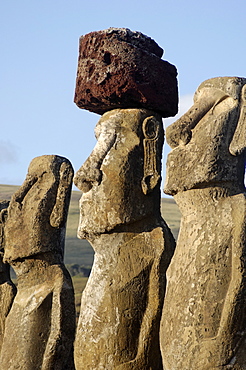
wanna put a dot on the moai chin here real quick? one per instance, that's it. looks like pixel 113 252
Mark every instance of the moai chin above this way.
pixel 203 323
pixel 121 305
pixel 40 327
pixel 7 287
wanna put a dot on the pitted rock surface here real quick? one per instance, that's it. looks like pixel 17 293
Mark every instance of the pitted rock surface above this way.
pixel 118 68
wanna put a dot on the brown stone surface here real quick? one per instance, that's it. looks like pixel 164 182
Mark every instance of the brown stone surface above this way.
pixel 204 323
pixel 118 68
pixel 7 287
pixel 203 140
pixel 121 305
pixel 40 326
pixel 39 209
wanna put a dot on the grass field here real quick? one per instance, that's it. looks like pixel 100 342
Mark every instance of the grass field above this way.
pixel 79 251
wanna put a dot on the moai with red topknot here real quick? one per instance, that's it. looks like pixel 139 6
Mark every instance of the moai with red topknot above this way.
pixel 121 75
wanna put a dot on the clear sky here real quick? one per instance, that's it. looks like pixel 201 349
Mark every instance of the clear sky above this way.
pixel 39 51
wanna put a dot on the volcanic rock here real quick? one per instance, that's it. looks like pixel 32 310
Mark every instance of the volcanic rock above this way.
pixel 118 68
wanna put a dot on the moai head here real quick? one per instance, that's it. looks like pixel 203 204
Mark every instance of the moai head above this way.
pixel 121 178
pixel 38 210
pixel 209 140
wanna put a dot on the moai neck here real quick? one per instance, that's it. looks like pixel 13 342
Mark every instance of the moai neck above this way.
pixel 124 233
pixel 33 269
pixel 196 200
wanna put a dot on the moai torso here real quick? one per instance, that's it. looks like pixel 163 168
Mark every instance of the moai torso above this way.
pixel 204 320
pixel 121 75
pixel 40 327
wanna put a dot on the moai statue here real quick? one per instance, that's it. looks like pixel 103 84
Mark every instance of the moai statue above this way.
pixel 7 287
pixel 121 305
pixel 40 328
pixel 204 317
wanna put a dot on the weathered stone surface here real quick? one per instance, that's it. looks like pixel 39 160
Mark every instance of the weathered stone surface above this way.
pixel 39 209
pixel 118 68
pixel 7 287
pixel 121 305
pixel 207 138
pixel 40 327
pixel 203 322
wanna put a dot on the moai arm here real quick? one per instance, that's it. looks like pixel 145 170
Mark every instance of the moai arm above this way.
pixel 62 312
pixel 180 131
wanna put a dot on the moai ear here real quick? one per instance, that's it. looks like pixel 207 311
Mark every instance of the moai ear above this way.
pixel 59 213
pixel 151 174
pixel 238 143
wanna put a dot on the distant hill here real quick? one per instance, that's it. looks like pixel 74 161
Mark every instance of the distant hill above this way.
pixel 79 252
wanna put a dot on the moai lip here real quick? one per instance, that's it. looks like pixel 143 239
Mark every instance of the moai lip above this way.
pixel 118 68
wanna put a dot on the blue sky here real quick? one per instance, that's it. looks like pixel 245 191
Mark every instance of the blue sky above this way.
pixel 39 51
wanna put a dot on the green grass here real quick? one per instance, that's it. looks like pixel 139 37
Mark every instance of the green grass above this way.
pixel 76 250
pixel 171 214
pixel 6 191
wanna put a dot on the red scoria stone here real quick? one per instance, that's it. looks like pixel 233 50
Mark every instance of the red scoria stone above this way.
pixel 118 68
